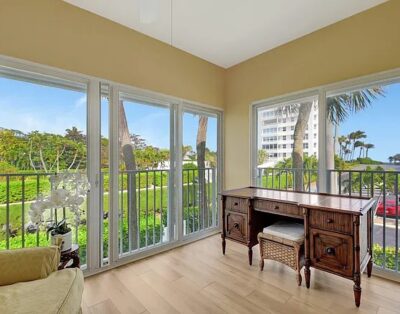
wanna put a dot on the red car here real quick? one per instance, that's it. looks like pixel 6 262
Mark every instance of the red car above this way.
pixel 390 208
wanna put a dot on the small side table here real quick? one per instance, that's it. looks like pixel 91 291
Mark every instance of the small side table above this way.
pixel 70 255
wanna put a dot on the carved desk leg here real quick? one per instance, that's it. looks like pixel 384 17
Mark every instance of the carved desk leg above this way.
pixel 223 226
pixel 307 260
pixel 357 271
pixel 250 253
pixel 357 289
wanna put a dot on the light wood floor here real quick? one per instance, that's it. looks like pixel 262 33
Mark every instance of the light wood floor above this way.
pixel 197 278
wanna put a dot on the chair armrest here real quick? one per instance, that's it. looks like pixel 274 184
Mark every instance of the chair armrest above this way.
pixel 28 264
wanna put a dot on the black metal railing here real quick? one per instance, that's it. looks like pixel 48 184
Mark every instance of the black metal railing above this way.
pixel 288 179
pixel 199 197
pixel 17 192
pixel 384 186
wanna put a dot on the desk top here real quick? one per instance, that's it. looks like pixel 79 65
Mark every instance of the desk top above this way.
pixel 351 205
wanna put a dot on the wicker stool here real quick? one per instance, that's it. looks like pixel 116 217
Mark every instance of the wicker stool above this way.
pixel 283 242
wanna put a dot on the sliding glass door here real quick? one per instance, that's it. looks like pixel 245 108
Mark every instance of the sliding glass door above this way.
pixel 200 164
pixel 145 186
pixel 153 163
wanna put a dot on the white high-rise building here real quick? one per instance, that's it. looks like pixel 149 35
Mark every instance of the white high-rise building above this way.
pixel 276 134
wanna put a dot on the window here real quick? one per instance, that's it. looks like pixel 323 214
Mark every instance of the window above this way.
pixel 43 130
pixel 67 122
pixel 277 154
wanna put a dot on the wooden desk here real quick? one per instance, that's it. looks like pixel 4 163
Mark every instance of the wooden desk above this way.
pixel 338 229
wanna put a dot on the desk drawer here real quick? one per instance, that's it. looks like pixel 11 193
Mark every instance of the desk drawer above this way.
pixel 331 221
pixel 236 204
pixel 332 252
pixel 236 226
pixel 278 208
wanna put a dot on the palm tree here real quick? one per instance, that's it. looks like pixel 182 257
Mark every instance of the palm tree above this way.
pixel 201 156
pixel 361 145
pixel 127 150
pixel 74 134
pixel 342 140
pixel 367 148
pixel 338 109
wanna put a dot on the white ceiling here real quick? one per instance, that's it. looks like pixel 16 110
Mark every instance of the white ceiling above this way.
pixel 226 32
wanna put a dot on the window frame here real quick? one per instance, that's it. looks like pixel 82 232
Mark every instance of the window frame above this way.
pixel 32 72
pixel 323 91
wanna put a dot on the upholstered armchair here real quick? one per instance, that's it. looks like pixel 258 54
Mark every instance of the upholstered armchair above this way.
pixel 31 283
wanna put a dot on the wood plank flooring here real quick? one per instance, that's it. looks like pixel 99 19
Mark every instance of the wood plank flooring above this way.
pixel 197 278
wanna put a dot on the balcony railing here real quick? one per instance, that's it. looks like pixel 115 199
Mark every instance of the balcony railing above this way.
pixel 383 185
pixel 146 215
pixel 285 179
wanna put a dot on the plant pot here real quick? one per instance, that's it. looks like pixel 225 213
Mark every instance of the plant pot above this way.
pixel 66 240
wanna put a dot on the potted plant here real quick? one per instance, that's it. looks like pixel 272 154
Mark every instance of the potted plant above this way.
pixel 69 192
pixel 61 231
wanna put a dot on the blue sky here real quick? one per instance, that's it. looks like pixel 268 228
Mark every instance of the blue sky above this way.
pixel 27 107
pixel 381 123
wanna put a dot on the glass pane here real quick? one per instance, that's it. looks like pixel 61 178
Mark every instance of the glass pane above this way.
pixel 144 175
pixel 287 145
pixel 364 154
pixel 42 132
pixel 199 176
pixel 104 173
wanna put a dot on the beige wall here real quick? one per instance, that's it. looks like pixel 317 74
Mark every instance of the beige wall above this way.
pixel 55 33
pixel 363 44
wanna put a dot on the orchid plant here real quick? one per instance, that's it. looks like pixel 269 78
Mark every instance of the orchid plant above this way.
pixel 68 191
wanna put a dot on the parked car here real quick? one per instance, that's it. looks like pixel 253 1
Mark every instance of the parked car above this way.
pixel 391 211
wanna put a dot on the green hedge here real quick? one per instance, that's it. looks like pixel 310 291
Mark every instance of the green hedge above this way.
pixel 15 190
pixel 379 258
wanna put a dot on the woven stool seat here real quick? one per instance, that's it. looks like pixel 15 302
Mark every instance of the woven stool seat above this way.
pixel 283 242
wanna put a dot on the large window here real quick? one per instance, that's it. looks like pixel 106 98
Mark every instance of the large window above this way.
pixel 287 144
pixel 43 130
pixel 199 174
pixel 147 188
pixel 344 141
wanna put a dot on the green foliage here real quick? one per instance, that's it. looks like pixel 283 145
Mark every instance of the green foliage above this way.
pixel 262 156
pixel 368 161
pixel 30 190
pixel 60 227
pixel 5 167
pixel 388 259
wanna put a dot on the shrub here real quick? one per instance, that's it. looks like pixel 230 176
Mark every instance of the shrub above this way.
pixel 379 257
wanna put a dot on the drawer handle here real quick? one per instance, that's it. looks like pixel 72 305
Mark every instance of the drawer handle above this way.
pixel 276 207
pixel 330 251
pixel 236 203
pixel 329 220
pixel 236 225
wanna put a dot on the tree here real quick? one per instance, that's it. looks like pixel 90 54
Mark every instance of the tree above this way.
pixel 354 137
pixel 128 155
pixel 391 159
pixel 338 109
pixel 297 154
pixel 75 135
pixel 262 156
pixel 342 140
pixel 201 154
pixel 367 148
pixel 359 144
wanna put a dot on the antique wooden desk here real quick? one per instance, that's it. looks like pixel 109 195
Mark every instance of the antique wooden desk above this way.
pixel 338 229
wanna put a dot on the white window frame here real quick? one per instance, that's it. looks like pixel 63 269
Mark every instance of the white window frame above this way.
pixel 323 91
pixel 35 71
